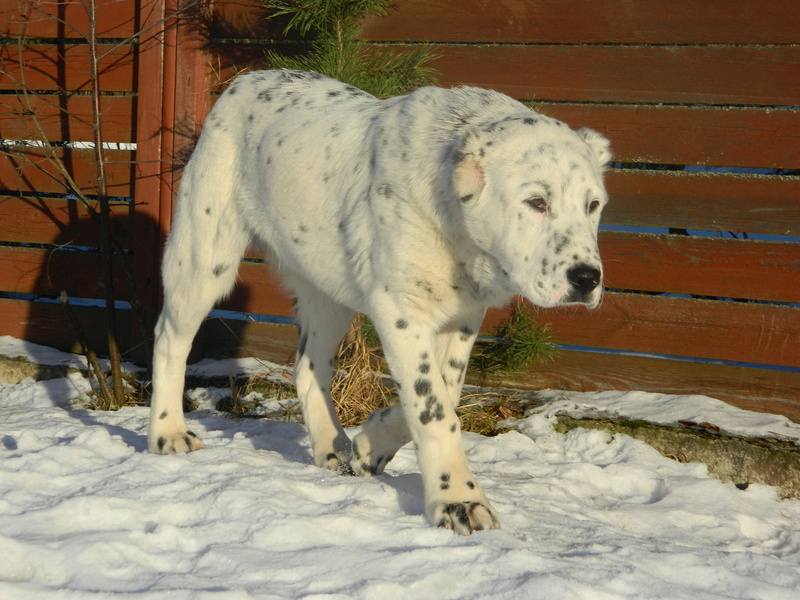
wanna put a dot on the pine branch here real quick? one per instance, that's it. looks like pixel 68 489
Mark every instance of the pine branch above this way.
pixel 333 27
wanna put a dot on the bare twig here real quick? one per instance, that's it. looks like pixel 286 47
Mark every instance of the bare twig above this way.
pixel 105 214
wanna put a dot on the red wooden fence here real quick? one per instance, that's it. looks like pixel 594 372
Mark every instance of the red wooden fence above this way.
pixel 680 84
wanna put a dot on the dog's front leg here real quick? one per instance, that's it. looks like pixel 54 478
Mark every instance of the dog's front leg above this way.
pixel 453 498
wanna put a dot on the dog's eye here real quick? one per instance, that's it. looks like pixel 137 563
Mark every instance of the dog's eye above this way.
pixel 537 203
pixel 593 206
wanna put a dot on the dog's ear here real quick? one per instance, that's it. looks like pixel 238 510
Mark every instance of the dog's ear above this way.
pixel 601 147
pixel 468 178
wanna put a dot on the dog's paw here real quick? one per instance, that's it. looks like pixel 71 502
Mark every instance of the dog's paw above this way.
pixel 336 461
pixel 370 466
pixel 465 517
pixel 366 461
pixel 181 441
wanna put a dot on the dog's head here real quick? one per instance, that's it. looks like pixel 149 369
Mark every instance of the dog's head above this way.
pixel 531 191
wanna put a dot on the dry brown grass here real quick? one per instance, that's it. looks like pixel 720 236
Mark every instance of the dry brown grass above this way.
pixel 357 387
pixel 481 412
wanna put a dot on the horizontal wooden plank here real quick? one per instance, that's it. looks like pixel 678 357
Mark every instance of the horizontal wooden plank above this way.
pixel 66 118
pixel 679 135
pixel 547 21
pixel 736 331
pixel 761 390
pixel 727 268
pixel 225 338
pixel 48 272
pixel 751 75
pixel 597 22
pixel 743 75
pixel 682 135
pixel 68 18
pixel 48 324
pixel 65 67
pixel 26 169
pixel 706 201
pixel 58 221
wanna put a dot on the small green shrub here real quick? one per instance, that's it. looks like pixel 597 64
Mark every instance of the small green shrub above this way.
pixel 519 341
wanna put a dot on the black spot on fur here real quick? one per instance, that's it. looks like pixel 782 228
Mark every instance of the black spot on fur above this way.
pixel 208 211
pixel 331 456
pixel 424 368
pixel 401 323
pixel 456 364
pixel 434 411
pixel 264 96
pixel 301 348
pixel 163 415
pixel 422 386
pixel 161 443
pixel 466 198
pixel 424 286
pixel 561 243
pixel 445 481
pixel 466 333
pixel 220 269
pixel 453 428
pixel 471 485
pixel 458 512
pixel 333 94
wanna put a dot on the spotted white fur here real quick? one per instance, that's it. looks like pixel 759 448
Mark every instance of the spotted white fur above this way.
pixel 419 211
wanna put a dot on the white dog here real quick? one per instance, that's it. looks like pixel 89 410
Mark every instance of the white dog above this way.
pixel 419 211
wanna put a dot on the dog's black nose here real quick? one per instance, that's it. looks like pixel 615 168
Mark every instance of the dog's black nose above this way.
pixel 584 279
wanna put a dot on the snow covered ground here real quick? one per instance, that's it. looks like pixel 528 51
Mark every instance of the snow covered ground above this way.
pixel 86 513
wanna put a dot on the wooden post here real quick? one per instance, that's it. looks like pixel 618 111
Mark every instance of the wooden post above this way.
pixel 173 99
pixel 149 167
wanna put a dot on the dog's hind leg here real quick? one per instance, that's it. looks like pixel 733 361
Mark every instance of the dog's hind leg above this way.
pixel 384 432
pixel 201 260
pixel 323 324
